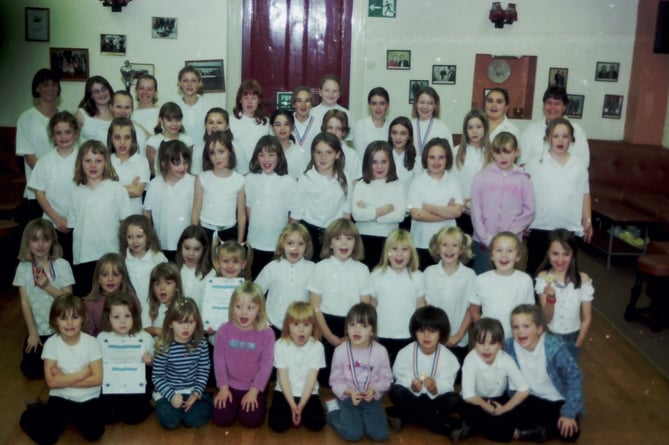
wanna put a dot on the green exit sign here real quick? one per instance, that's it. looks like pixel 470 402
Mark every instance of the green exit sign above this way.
pixel 382 8
pixel 283 99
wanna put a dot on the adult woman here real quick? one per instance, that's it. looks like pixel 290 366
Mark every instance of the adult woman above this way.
pixel 94 114
pixel 496 106
pixel 32 138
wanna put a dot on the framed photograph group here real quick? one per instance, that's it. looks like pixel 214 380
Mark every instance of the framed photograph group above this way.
pixel 607 71
pixel 113 44
pixel 164 27
pixel 557 77
pixel 213 77
pixel 575 106
pixel 398 59
pixel 613 106
pixel 71 63
pixel 443 74
pixel 414 86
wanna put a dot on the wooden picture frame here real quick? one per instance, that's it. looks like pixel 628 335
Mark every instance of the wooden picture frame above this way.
pixel 213 74
pixel 38 26
pixel 113 44
pixel 72 64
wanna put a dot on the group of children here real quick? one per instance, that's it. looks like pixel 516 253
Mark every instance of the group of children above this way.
pixel 261 207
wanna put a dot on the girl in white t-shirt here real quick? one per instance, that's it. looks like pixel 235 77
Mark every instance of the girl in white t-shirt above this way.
pixel 269 193
pixel 146 113
pixel 565 293
pixel 450 284
pixel 249 122
pixel 41 276
pixel 169 128
pixel 434 199
pixel 192 103
pixel 122 326
pixel 397 290
pixel 140 247
pixel 132 168
pixel 219 203
pixel 73 373
pixel 306 126
pixel 427 125
pixel 165 288
pixel 283 125
pixel 97 206
pixel 194 262
pixel 298 355
pixel 217 119
pixel 285 279
pixel 469 160
pixel 379 201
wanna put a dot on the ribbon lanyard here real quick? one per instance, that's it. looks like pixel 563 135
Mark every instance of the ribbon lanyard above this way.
pixel 37 269
pixel 421 140
pixel 353 364
pixel 300 139
pixel 435 363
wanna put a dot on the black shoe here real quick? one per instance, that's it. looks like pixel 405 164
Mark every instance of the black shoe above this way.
pixel 393 419
pixel 537 434
pixel 461 433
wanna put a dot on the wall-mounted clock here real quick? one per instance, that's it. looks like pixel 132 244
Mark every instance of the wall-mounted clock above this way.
pixel 498 70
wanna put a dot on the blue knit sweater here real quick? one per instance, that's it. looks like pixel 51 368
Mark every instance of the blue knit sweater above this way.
pixel 563 371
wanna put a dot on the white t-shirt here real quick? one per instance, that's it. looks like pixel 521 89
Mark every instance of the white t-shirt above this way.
pixel 411 363
pixel 193 120
pixel 71 359
pixel 137 166
pixel 54 175
pixel 246 132
pixel 499 294
pixel 365 132
pixel 298 360
pixel 32 138
pixel 376 194
pixel 396 295
pixel 284 282
pixel 139 271
pixel 452 293
pixel 428 190
pixel 96 214
pixel 473 164
pixel 320 200
pixel 40 301
pixel 424 130
pixel 490 380
pixel 567 307
pixel 219 199
pixel 340 284
pixel 93 128
pixel 268 199
pixel 171 207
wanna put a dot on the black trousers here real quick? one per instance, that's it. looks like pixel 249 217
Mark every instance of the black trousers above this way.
pixel 45 423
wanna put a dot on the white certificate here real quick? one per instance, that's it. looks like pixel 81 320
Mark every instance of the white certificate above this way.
pixel 124 371
pixel 216 300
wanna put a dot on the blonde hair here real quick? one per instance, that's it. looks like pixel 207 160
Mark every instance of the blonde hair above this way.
pixel 257 297
pixel 180 309
pixel 291 228
pixel 48 232
pixel 498 145
pixel 519 245
pixel 346 227
pixel 396 237
pixel 300 311
pixel 464 239
pixel 98 148
pixel 232 248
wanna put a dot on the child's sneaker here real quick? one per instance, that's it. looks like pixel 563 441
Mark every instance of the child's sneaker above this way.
pixel 459 434
pixel 393 419
pixel 331 405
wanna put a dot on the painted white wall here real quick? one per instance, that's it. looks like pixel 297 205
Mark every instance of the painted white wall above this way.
pixel 566 33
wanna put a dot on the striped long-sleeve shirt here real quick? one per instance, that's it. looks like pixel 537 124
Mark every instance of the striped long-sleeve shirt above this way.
pixel 180 371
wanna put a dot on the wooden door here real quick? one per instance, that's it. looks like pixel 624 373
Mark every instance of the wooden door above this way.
pixel 288 43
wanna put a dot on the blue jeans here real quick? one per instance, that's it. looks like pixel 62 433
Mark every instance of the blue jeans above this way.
pixel 352 422
pixel 198 414
pixel 570 342
pixel 481 258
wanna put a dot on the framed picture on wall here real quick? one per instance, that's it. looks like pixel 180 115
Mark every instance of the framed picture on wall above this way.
pixel 71 63
pixel 607 71
pixel 613 106
pixel 557 77
pixel 113 44
pixel 575 106
pixel 443 74
pixel 213 78
pixel 398 59
pixel 38 28
pixel 164 27
pixel 414 86
pixel 139 69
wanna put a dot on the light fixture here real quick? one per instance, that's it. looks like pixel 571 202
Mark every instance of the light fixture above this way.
pixel 500 16
pixel 116 5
